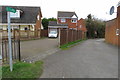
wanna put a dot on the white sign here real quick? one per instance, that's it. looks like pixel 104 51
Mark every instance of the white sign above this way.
pixel 15 15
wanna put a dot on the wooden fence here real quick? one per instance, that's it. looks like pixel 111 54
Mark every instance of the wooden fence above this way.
pixel 67 36
pixel 15 50
pixel 44 33
pixel 25 34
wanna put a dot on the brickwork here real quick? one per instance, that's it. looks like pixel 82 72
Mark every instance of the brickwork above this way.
pixel 111 27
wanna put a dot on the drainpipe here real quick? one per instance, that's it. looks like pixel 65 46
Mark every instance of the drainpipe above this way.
pixel 118 20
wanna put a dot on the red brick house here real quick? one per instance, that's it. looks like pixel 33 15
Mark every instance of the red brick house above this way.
pixel 69 18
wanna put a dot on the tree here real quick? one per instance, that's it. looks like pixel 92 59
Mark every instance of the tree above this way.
pixel 45 22
pixel 52 19
pixel 95 27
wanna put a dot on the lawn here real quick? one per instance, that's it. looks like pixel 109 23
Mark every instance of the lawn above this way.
pixel 70 44
pixel 23 70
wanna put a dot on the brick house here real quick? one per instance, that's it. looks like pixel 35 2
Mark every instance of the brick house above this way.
pixel 70 18
pixel 112 31
pixel 24 18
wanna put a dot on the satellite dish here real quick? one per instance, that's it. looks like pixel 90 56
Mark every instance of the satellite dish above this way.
pixel 112 10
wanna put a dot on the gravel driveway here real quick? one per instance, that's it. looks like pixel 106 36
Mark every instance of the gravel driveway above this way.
pixel 90 59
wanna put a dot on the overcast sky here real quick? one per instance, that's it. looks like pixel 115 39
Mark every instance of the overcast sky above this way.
pixel 98 8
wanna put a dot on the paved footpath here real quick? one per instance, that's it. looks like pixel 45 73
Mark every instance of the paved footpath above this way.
pixel 92 58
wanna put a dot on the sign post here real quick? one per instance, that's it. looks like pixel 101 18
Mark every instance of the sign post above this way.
pixel 8 9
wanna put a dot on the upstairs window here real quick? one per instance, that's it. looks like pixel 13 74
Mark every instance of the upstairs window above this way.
pixel 74 21
pixel 63 20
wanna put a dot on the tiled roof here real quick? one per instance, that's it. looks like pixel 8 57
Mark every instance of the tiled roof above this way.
pixel 28 15
pixel 66 14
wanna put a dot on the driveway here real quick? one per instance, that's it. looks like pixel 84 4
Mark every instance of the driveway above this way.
pixel 37 48
pixel 92 58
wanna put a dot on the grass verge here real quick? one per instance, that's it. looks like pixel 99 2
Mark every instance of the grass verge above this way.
pixel 23 70
pixel 70 44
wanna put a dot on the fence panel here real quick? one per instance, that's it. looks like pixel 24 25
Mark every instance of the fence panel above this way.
pixel 67 36
pixel 15 50
pixel 44 33
pixel 22 34
pixel 63 35
pixel 70 39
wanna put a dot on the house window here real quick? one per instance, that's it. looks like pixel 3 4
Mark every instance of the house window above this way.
pixel 74 21
pixel 63 20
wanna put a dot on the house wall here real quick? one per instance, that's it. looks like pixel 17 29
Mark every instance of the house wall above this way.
pixel 38 25
pixel 38 22
pixel 110 32
pixel 118 17
pixel 81 25
pixel 69 22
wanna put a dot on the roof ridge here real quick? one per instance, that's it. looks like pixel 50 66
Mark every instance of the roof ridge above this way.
pixel 66 11
pixel 19 6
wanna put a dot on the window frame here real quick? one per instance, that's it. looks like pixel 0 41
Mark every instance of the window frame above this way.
pixel 73 21
pixel 63 20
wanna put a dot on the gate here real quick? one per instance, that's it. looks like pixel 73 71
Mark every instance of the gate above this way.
pixel 15 49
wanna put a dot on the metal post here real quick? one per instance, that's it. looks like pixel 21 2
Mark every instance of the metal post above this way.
pixel 19 50
pixel 9 40
pixel 59 36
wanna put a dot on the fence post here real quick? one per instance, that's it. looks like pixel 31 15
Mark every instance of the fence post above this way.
pixel 72 35
pixel 59 36
pixel 13 34
pixel 2 52
pixel 19 55
pixel 67 37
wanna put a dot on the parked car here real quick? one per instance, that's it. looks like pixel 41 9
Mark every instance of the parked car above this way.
pixel 53 34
